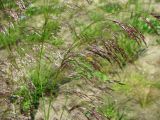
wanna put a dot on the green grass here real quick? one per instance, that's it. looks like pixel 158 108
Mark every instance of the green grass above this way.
pixel 158 41
pixel 111 111
pixel 38 83
pixel 111 7
pixel 152 27
pixel 139 88
pixel 86 55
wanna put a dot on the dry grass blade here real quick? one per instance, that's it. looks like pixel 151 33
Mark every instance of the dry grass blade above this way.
pixel 89 1
pixel 73 108
pixel 156 16
pixel 113 47
pixel 3 29
pixel 150 25
pixel 132 32
pixel 111 52
pixel 13 14
pixel 96 114
pixel 97 51
pixel 21 4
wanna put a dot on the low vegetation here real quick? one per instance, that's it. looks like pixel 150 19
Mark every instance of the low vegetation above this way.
pixel 52 43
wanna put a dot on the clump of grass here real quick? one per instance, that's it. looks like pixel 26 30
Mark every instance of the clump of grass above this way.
pixel 101 40
pixel 130 47
pixel 37 84
pixel 156 16
pixel 145 98
pixel 158 41
pixel 96 15
pixel 10 36
pixel 111 111
pixel 146 25
pixel 111 7
pixel 139 88
pixel 156 85
pixel 157 1
pixel 132 32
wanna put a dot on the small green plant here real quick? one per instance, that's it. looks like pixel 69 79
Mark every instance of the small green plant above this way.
pixel 130 47
pixel 101 76
pixel 24 93
pixel 96 15
pixel 156 85
pixel 91 32
pixel 34 89
pixel 11 36
pixel 158 41
pixel 111 111
pixel 145 25
pixel 157 1
pixel 145 98
pixel 138 88
pixel 111 7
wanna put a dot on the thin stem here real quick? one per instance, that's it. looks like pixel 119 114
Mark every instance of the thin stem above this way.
pixel 63 108
pixel 1 3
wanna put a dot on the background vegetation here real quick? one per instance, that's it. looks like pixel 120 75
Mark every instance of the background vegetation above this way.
pixel 52 43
